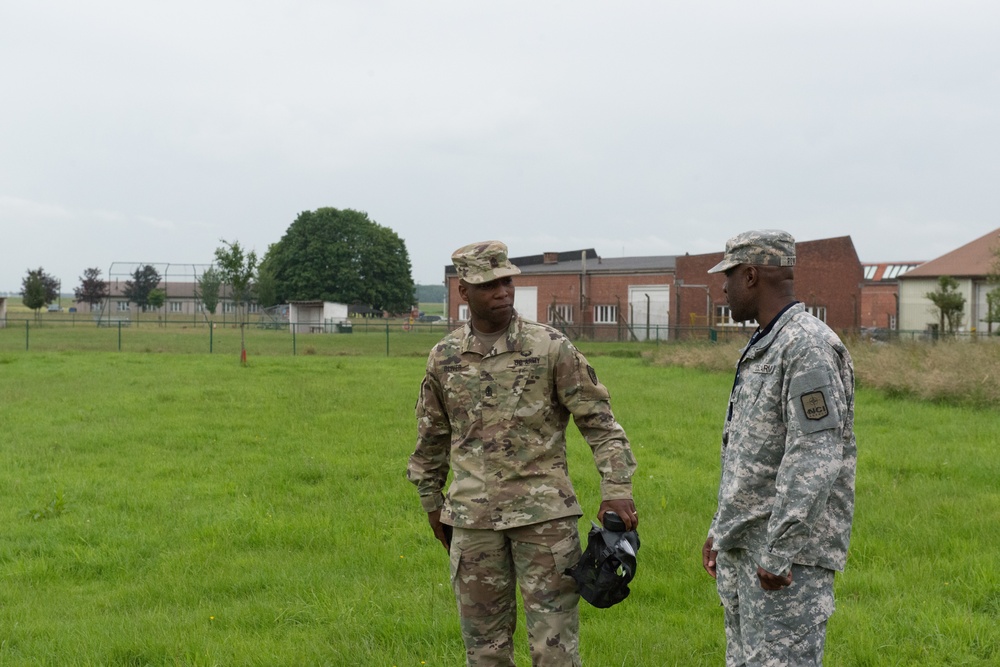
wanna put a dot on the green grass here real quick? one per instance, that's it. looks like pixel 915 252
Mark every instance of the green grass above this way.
pixel 179 509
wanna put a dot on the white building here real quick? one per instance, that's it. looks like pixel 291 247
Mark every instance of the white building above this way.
pixel 971 265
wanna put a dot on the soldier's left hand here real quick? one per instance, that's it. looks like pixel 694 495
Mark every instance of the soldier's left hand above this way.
pixel 773 582
pixel 624 508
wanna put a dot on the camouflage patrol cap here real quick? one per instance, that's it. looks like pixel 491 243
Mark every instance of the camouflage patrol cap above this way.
pixel 482 262
pixel 760 247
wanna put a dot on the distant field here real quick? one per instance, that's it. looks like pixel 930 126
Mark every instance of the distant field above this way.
pixel 432 308
pixel 181 509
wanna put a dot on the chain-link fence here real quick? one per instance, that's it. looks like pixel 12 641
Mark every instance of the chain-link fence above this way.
pixel 389 337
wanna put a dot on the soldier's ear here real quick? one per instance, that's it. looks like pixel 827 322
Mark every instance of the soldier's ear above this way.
pixel 752 276
pixel 463 291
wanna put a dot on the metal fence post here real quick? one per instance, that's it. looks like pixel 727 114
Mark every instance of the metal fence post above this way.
pixel 387 339
pixel 27 328
pixel 119 335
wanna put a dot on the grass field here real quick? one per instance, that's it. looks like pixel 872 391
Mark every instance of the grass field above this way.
pixel 179 509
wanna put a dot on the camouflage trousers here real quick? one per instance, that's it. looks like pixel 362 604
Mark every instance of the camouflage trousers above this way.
pixel 784 628
pixel 485 564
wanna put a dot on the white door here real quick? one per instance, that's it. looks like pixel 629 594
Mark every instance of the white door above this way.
pixel 526 302
pixel 649 311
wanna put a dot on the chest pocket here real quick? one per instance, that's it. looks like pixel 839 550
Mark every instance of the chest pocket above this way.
pixel 748 392
pixel 759 409
pixel 519 384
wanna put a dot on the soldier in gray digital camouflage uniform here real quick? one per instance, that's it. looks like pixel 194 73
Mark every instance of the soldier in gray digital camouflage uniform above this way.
pixel 786 498
pixel 493 409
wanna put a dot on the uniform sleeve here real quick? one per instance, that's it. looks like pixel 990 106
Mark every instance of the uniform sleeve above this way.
pixel 589 402
pixel 429 463
pixel 815 406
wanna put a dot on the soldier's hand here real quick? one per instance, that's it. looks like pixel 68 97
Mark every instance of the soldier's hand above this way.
pixel 441 531
pixel 624 508
pixel 773 582
pixel 709 556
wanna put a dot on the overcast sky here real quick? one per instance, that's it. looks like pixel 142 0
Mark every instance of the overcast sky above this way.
pixel 148 131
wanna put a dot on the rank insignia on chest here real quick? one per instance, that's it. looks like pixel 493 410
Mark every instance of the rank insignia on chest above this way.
pixel 814 404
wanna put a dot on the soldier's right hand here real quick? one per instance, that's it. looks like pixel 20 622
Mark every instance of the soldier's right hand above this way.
pixel 441 531
pixel 708 556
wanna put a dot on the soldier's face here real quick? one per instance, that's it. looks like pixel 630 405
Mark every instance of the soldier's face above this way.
pixel 491 305
pixel 741 307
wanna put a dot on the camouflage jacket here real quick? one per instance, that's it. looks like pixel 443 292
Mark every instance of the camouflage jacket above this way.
pixel 788 449
pixel 497 418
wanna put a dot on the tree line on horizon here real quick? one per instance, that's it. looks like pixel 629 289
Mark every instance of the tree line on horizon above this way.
pixel 328 254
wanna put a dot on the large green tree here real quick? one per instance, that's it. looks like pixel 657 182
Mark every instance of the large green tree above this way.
pixel 343 256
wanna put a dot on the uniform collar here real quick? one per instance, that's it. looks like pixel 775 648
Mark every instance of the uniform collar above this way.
pixel 763 338
pixel 512 342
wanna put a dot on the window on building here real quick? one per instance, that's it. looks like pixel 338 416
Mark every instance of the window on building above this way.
pixel 253 308
pixel 605 314
pixel 122 306
pixel 870 271
pixel 560 313
pixel 819 312
pixel 463 312
pixel 176 307
pixel 892 322
pixel 893 271
pixel 228 307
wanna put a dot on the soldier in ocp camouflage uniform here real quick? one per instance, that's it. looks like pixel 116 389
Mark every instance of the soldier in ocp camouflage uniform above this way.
pixel 493 408
pixel 786 497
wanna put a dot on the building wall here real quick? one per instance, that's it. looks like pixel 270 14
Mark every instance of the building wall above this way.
pixel 918 313
pixel 595 289
pixel 828 274
pixel 878 304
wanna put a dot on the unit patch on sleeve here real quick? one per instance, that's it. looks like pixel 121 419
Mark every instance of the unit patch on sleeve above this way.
pixel 592 373
pixel 814 405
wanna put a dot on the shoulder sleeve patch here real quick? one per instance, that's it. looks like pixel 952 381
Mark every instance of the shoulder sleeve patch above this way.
pixel 814 405
pixel 592 373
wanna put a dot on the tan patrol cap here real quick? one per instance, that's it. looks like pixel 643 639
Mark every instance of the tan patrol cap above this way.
pixel 482 262
pixel 760 247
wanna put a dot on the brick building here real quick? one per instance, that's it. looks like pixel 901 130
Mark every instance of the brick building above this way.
pixel 828 277
pixel 664 297
pixel 586 295
pixel 880 294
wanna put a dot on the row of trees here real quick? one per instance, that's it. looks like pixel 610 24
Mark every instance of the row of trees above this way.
pixel 327 254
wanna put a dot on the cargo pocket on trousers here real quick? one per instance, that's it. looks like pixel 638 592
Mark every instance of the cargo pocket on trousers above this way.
pixel 787 613
pixel 482 582
pixel 565 554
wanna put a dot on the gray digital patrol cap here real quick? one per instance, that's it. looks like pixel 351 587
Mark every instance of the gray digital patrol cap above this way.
pixel 759 247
